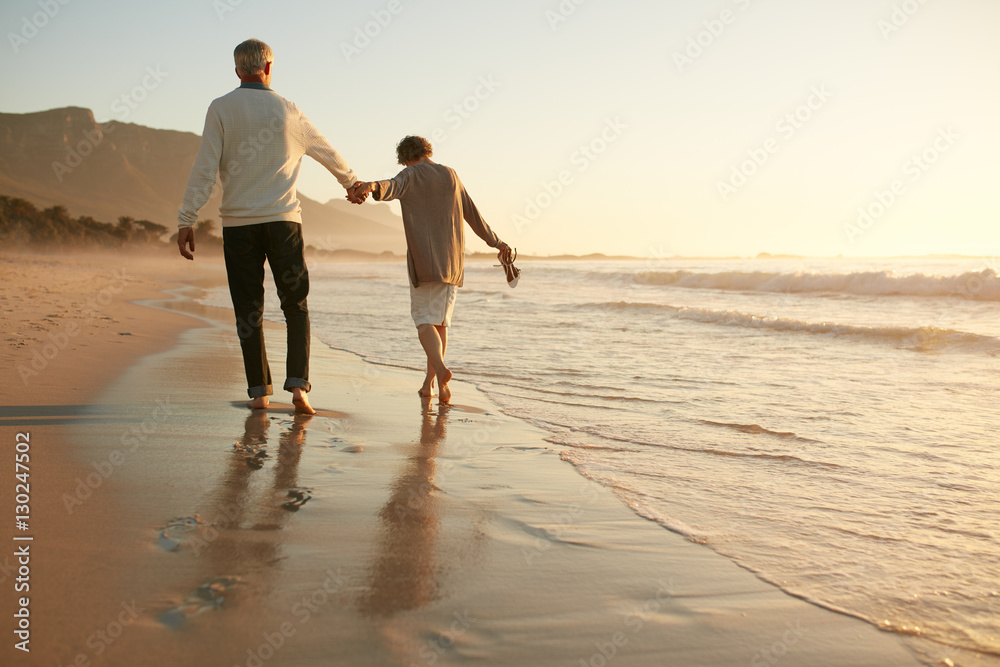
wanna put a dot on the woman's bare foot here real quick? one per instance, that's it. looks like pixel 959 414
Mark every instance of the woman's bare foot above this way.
pixel 427 389
pixel 258 403
pixel 301 402
pixel 443 379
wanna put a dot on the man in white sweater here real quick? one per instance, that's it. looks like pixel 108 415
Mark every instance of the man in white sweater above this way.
pixel 254 141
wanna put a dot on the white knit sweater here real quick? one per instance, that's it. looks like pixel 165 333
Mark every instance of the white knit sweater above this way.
pixel 254 141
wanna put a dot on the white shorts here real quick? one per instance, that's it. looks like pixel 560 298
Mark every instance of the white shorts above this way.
pixel 432 303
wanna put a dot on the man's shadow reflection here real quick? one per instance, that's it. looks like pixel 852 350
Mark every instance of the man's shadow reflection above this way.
pixel 240 532
pixel 234 502
pixel 403 576
pixel 239 503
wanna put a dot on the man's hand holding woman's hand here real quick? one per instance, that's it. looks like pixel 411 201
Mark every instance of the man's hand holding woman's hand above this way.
pixel 358 193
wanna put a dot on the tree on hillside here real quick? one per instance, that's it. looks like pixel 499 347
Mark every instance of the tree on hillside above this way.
pixel 16 218
pixel 126 225
pixel 203 236
pixel 204 227
pixel 100 233
pixel 150 231
pixel 21 223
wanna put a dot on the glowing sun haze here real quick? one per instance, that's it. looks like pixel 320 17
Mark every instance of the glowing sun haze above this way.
pixel 730 127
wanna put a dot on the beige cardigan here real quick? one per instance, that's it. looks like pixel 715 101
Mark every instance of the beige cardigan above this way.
pixel 434 204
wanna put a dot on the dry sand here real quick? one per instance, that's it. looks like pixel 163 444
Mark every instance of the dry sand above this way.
pixel 172 526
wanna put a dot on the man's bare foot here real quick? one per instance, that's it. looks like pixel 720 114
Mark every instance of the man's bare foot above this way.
pixel 301 402
pixel 258 403
pixel 443 379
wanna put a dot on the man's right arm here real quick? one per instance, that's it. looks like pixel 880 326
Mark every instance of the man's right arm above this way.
pixel 204 171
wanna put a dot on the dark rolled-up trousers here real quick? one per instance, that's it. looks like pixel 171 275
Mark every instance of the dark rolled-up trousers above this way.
pixel 246 248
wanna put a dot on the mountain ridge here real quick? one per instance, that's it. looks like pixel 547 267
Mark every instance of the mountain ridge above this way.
pixel 64 157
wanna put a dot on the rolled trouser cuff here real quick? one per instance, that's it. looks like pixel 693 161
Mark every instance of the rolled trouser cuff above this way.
pixel 262 390
pixel 297 383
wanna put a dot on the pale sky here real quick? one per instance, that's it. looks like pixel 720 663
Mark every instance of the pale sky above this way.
pixel 715 127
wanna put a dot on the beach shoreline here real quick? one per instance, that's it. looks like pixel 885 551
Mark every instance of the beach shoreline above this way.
pixel 382 531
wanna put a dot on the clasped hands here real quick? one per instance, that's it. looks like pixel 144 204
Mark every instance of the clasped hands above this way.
pixel 358 193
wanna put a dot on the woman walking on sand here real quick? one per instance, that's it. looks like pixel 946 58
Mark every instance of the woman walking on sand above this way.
pixel 434 203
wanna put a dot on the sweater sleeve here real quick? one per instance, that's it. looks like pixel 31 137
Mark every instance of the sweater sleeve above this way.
pixel 318 148
pixel 475 220
pixel 204 171
pixel 394 188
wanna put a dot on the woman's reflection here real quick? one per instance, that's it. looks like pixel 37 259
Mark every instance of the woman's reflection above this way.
pixel 403 575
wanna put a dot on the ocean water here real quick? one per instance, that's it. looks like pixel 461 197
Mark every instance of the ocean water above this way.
pixel 830 425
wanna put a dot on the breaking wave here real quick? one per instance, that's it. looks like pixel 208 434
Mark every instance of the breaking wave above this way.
pixel 919 338
pixel 983 285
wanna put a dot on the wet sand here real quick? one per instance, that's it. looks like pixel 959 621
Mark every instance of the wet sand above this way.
pixel 173 526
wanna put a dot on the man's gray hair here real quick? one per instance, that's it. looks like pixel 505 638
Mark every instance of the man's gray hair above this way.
pixel 251 56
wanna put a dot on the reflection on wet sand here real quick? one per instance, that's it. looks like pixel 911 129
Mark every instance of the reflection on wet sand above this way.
pixel 233 501
pixel 227 542
pixel 404 574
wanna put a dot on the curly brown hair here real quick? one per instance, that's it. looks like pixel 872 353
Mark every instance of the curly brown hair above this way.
pixel 413 148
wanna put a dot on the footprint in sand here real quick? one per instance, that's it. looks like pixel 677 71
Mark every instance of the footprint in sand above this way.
pixel 298 497
pixel 253 454
pixel 178 531
pixel 335 444
pixel 210 595
pixel 335 427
